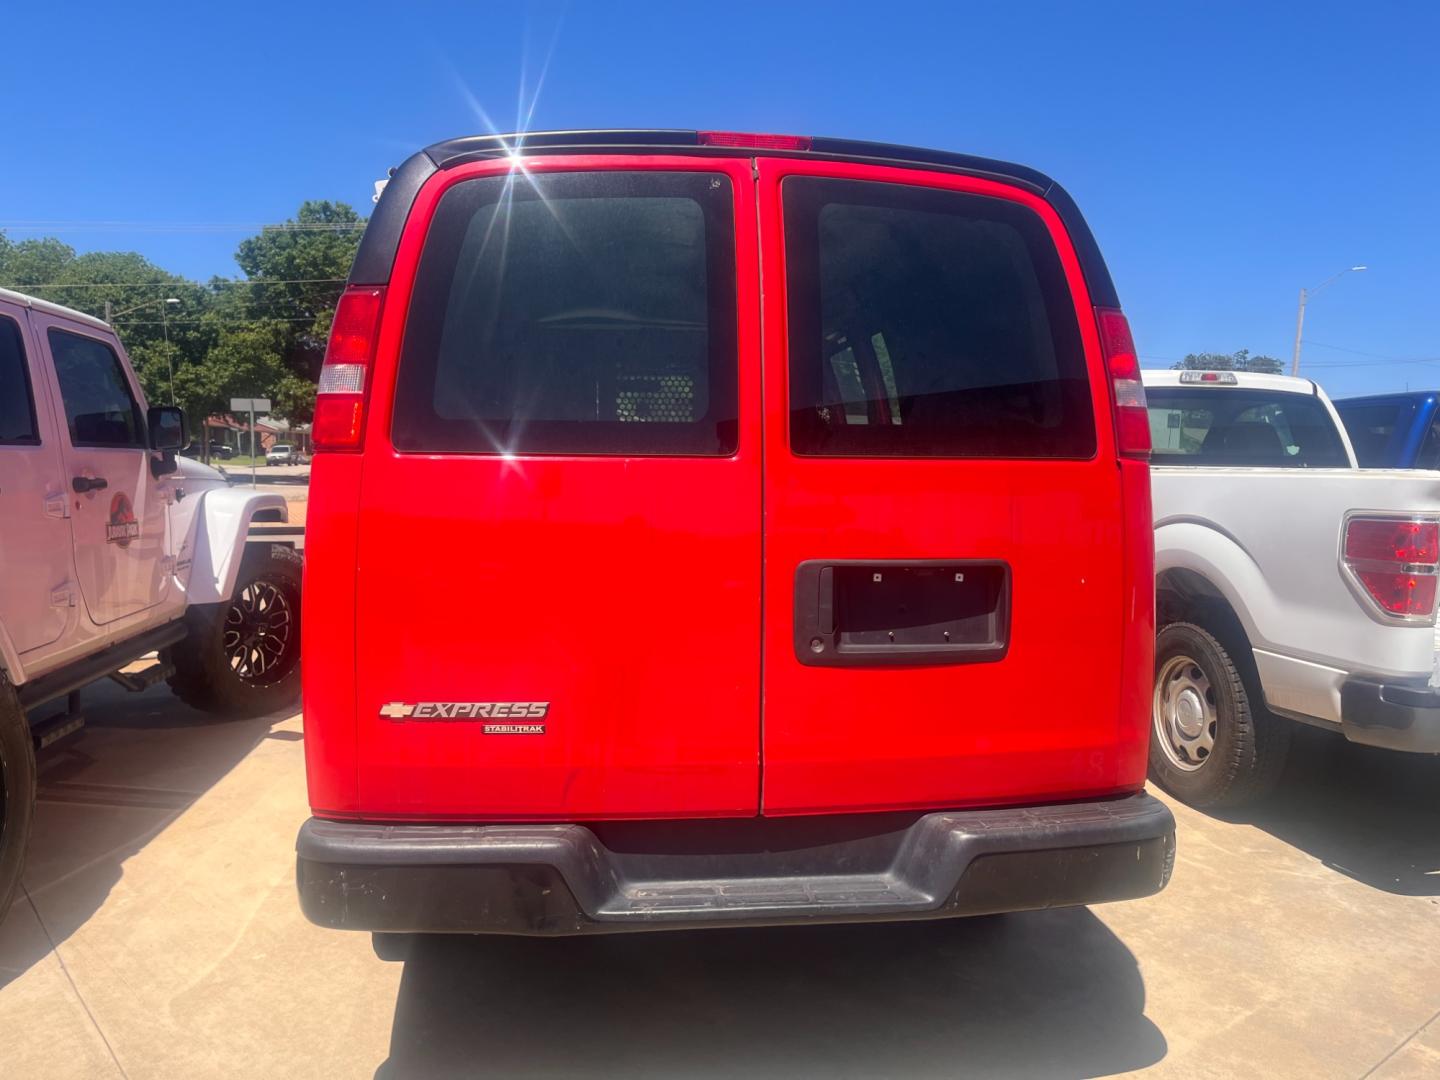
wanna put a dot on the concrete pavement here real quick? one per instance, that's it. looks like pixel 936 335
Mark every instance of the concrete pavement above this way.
pixel 158 936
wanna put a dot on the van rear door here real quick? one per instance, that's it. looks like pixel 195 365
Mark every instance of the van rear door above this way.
pixel 944 524
pixel 558 582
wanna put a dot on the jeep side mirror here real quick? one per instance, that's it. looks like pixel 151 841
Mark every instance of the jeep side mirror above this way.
pixel 167 428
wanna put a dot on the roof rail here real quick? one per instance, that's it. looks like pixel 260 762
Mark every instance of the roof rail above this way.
pixel 381 239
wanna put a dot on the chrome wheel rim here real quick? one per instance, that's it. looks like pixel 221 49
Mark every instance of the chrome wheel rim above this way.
pixel 261 633
pixel 1184 711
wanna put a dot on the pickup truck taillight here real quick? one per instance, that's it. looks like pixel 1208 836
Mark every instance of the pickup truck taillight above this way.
pixel 1395 560
pixel 344 378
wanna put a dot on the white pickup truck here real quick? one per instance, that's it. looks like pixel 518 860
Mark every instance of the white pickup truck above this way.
pixel 1291 586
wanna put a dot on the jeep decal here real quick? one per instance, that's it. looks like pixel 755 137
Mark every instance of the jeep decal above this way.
pixel 122 526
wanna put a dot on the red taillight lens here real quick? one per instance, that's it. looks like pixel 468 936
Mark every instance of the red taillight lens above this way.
pixel 1132 420
pixel 752 141
pixel 1395 560
pixel 345 376
pixel 1392 540
pixel 1400 594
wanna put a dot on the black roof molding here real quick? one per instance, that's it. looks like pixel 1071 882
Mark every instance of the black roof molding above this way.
pixel 454 152
pixel 375 257
pixel 378 245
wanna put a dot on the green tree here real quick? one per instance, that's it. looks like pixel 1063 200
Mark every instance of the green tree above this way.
pixel 1240 360
pixel 244 362
pixel 308 259
pixel 1265 365
pixel 1206 362
pixel 127 289
pixel 29 263
pixel 259 336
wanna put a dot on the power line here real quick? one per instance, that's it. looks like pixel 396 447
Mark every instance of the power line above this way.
pixel 1328 366
pixel 216 319
pixel 181 226
pixel 1362 352
pixel 1381 357
pixel 177 281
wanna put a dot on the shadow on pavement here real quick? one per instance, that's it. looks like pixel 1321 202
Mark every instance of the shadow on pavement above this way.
pixel 106 792
pixel 1040 994
pixel 1372 815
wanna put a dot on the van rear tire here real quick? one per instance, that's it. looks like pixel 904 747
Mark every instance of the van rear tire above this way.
pixel 17 792
pixel 1213 743
pixel 216 667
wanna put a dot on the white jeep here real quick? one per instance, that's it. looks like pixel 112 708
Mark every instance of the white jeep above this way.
pixel 113 548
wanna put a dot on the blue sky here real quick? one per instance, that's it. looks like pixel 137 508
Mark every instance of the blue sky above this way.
pixel 1225 155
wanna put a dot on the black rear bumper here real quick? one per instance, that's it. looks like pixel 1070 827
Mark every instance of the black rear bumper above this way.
pixel 1395 715
pixel 606 878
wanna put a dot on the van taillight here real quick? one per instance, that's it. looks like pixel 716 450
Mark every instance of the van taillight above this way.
pixel 1395 560
pixel 1132 421
pixel 344 378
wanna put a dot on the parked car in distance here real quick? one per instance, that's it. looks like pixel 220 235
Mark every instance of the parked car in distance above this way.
pixel 694 643
pixel 111 548
pixel 221 450
pixel 1291 585
pixel 282 454
pixel 1394 431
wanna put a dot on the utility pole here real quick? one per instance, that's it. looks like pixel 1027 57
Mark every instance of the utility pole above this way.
pixel 1299 326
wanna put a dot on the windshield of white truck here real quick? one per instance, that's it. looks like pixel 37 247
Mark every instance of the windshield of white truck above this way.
pixel 1258 428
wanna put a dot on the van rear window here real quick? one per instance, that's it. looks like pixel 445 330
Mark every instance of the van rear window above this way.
pixel 574 313
pixel 928 323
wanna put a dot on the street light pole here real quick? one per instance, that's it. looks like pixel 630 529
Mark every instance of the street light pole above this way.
pixel 109 314
pixel 169 363
pixel 164 303
pixel 1305 295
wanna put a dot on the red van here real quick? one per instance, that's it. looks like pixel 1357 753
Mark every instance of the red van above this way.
pixel 710 528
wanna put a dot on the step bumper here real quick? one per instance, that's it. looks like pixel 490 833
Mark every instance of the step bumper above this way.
pixel 578 879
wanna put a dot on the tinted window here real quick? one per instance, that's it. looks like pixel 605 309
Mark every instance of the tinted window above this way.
pixel 1242 427
pixel 99 407
pixel 1428 456
pixel 17 405
pixel 1372 428
pixel 586 313
pixel 929 323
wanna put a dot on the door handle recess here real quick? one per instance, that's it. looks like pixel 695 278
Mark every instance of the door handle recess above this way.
pixel 82 484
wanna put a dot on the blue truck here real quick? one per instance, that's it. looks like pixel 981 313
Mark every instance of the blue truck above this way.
pixel 1394 431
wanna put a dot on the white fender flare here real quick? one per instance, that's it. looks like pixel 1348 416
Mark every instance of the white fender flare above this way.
pixel 1188 544
pixel 217 542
